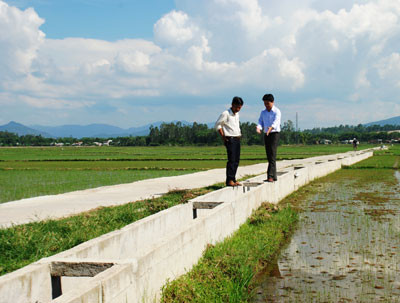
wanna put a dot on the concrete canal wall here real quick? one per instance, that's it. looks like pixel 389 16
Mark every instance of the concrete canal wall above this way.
pixel 133 263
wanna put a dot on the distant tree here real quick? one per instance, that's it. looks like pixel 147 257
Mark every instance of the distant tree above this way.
pixel 288 134
pixel 8 139
pixel 249 134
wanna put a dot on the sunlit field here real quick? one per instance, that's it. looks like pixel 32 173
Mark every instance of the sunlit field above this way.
pixel 28 171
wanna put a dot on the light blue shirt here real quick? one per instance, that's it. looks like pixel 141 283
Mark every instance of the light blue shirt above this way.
pixel 270 118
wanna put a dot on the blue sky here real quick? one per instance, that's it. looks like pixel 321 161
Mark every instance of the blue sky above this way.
pixel 98 19
pixel 130 63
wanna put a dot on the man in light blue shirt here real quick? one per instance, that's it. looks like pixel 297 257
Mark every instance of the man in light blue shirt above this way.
pixel 270 123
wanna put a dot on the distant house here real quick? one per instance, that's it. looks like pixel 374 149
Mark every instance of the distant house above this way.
pixel 325 141
pixel 59 144
pixel 98 143
pixel 375 141
pixel 107 143
pixel 77 143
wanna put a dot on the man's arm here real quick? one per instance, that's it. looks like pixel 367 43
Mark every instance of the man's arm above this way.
pixel 260 124
pixel 218 125
pixel 221 132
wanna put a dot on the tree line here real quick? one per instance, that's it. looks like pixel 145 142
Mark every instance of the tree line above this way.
pixel 201 134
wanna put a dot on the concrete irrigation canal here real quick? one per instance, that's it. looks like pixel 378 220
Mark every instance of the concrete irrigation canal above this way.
pixel 133 263
pixel 347 245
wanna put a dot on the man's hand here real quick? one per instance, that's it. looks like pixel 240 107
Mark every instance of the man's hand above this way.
pixel 258 130
pixel 221 132
pixel 269 130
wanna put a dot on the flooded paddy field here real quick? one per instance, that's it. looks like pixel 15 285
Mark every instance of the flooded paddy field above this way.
pixel 347 244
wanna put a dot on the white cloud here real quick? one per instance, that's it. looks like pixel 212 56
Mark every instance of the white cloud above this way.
pixel 250 15
pixel 389 69
pixel 347 50
pixel 20 38
pixel 361 80
pixel 135 62
pixel 174 29
pixel 54 103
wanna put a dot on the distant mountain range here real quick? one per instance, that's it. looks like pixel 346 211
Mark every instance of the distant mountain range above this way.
pixel 80 131
pixel 21 130
pixel 391 121
pixel 105 130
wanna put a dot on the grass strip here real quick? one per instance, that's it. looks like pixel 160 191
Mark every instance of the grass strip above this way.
pixel 227 271
pixel 23 244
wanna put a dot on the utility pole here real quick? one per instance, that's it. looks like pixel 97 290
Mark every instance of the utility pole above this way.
pixel 297 129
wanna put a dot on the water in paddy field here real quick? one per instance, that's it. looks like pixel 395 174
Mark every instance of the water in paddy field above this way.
pixel 346 247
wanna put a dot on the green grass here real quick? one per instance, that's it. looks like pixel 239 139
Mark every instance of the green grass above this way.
pixel 159 152
pixel 20 184
pixel 226 272
pixel 23 244
pixel 385 159
pixel 29 172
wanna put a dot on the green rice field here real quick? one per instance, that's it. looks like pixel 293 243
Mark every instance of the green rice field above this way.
pixel 34 171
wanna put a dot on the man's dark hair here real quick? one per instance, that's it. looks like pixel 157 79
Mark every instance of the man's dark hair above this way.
pixel 268 97
pixel 237 101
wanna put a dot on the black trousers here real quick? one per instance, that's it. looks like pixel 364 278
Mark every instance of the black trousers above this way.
pixel 232 145
pixel 271 145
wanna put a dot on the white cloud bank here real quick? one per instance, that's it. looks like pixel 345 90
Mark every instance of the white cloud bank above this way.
pixel 306 51
pixel 20 39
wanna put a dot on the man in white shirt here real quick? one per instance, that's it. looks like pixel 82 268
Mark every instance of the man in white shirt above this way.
pixel 270 122
pixel 228 126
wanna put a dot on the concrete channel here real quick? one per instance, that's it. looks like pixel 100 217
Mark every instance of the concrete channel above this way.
pixel 133 263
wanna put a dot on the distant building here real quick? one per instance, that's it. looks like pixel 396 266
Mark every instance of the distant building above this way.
pixel 375 141
pixel 325 141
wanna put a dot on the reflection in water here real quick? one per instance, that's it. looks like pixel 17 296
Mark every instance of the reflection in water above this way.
pixel 345 250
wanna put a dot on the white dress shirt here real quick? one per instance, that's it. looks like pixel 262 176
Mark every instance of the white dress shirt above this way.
pixel 270 118
pixel 229 122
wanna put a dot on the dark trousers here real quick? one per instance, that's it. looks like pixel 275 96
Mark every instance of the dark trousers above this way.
pixel 271 145
pixel 232 145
